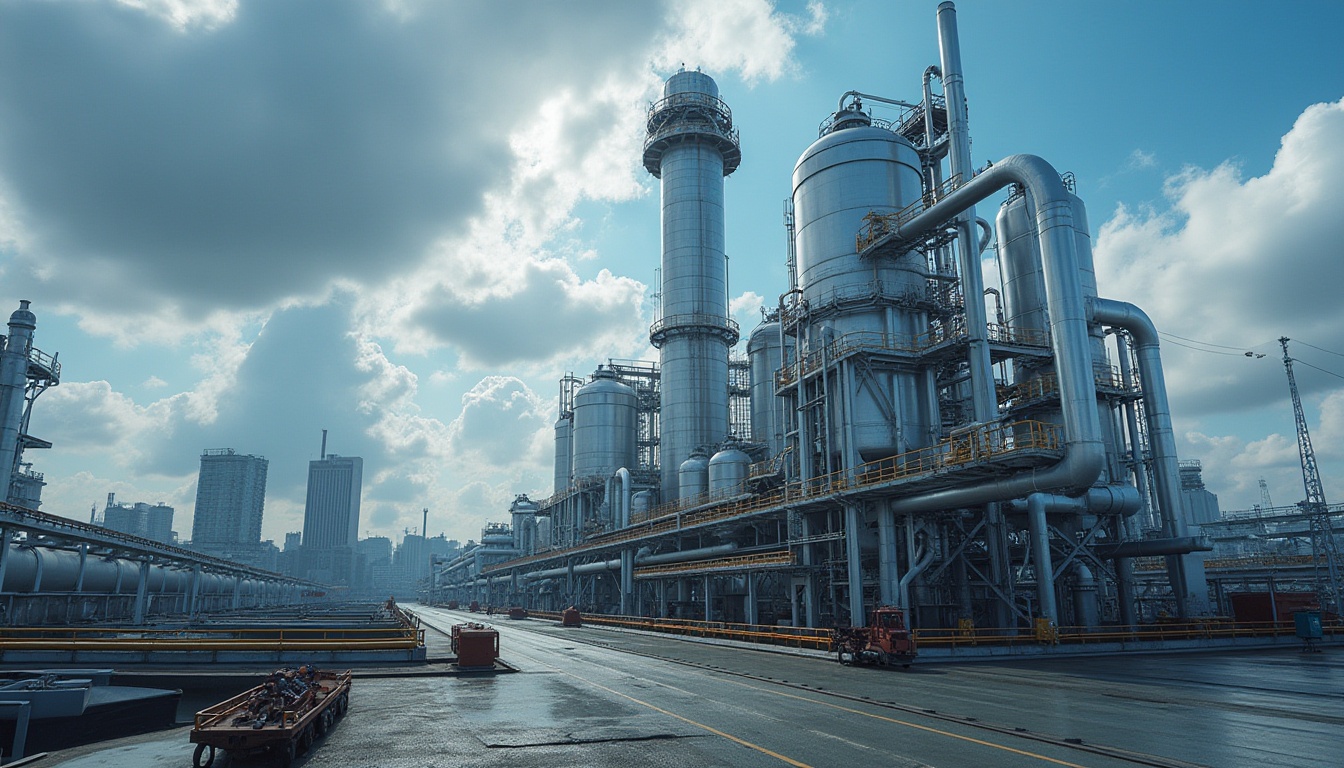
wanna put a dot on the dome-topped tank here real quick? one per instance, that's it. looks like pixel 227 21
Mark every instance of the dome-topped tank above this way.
pixel 728 471
pixel 853 170
pixel 604 427
pixel 693 475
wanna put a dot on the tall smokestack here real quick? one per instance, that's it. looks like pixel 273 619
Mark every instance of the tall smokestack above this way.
pixel 323 457
pixel 424 526
pixel 691 146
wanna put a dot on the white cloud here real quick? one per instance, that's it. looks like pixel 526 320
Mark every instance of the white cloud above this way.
pixel 1239 262
pixel 186 14
pixel 1141 159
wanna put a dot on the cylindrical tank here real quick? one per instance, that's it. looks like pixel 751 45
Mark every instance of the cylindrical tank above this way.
pixel 524 512
pixel 641 503
pixel 604 427
pixel 765 355
pixel 853 170
pixel 543 533
pixel 564 452
pixel 728 470
pixel 693 475
pixel 691 145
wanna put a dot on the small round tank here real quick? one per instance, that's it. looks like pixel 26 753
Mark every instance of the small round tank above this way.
pixel 641 503
pixel 693 475
pixel 604 427
pixel 728 471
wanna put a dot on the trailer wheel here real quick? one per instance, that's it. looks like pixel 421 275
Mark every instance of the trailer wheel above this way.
pixel 305 740
pixel 287 755
pixel 323 723
pixel 342 704
pixel 200 751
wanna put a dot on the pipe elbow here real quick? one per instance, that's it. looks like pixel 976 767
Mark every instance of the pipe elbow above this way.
pixel 1125 315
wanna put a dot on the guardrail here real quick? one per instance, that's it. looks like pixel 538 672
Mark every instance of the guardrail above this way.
pixel 963 636
pixel 270 639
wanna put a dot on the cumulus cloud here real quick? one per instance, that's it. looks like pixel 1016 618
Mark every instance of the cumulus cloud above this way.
pixel 1238 262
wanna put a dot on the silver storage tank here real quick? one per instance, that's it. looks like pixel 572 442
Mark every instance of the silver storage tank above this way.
pixel 691 145
pixel 524 513
pixel 641 503
pixel 564 452
pixel 543 533
pixel 693 475
pixel 851 171
pixel 1024 300
pixel 765 356
pixel 728 470
pixel 604 427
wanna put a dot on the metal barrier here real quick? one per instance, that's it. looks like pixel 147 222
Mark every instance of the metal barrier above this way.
pixel 260 639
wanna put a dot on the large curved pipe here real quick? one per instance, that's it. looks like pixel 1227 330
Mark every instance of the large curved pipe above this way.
pixel 1085 454
pixel 1157 411
pixel 920 564
pixel 624 475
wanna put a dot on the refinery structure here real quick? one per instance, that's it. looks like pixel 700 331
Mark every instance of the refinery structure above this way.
pixel 888 439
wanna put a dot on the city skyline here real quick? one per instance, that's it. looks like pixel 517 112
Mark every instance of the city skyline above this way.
pixel 331 235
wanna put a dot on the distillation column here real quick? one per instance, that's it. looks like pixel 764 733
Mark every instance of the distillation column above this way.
pixel 691 146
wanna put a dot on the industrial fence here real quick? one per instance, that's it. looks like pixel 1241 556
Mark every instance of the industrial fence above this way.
pixel 964 635
pixel 232 639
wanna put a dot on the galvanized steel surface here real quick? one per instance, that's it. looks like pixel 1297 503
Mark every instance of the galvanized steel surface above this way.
pixel 693 331
pixel 728 471
pixel 564 452
pixel 765 356
pixel 604 427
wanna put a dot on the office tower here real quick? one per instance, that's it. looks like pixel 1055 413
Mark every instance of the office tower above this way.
pixel 230 496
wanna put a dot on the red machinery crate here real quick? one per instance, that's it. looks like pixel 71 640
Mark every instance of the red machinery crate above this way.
pixel 476 645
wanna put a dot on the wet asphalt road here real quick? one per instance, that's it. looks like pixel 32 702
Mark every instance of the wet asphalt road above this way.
pixel 596 697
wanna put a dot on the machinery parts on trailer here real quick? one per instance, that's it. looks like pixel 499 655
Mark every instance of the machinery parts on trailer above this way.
pixel 281 718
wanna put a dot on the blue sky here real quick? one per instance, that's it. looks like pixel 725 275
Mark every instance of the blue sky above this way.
pixel 243 222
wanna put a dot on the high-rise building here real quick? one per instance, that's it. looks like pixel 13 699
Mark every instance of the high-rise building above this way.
pixel 331 514
pixel 148 521
pixel 230 496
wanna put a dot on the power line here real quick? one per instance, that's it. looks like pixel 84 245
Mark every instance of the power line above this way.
pixel 1213 351
pixel 1205 343
pixel 1309 365
pixel 1328 352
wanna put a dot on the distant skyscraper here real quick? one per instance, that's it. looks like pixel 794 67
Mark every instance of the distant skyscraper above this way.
pixel 331 515
pixel 148 521
pixel 230 496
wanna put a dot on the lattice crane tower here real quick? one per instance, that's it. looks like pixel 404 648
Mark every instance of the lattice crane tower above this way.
pixel 1323 547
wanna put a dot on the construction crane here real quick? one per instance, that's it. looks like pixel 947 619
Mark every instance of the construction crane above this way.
pixel 1265 502
pixel 1324 550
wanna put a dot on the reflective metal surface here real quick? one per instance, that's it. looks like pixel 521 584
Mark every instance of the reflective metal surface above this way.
pixel 604 427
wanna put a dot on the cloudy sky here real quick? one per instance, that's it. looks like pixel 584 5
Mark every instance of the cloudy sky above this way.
pixel 242 222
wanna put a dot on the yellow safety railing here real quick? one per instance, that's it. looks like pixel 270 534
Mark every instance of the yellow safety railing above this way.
pixel 983 444
pixel 759 560
pixel 965 634
pixel 257 639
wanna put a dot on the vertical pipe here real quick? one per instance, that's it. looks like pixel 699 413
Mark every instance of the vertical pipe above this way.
pixel 13 386
pixel 141 593
pixel 1040 544
pixel 853 555
pixel 886 548
pixel 1132 425
pixel 983 401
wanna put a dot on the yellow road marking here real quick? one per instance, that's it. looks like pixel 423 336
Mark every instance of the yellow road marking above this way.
pixel 714 731
pixel 916 726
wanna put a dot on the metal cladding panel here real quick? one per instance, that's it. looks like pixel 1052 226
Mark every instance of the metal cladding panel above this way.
pixel 694 395
pixel 1024 282
pixel 604 428
pixel 693 476
pixel 765 356
pixel 842 177
pixel 564 452
pixel 543 533
pixel 728 471
pixel 694 267
pixel 690 82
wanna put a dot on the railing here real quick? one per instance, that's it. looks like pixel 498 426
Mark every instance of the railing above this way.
pixel 260 639
pixel 986 443
pixel 881 224
pixel 965 635
pixel 725 326
pixel 760 560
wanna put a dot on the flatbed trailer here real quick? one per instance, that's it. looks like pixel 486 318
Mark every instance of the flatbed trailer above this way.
pixel 236 727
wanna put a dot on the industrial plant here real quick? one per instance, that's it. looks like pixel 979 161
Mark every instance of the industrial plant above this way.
pixel 899 432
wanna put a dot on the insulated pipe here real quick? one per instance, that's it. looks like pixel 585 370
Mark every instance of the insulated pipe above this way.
pixel 1037 505
pixel 918 564
pixel 983 400
pixel 1183 545
pixel 1132 423
pixel 1085 454
pixel 612 565
pixel 624 475
pixel 1161 438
